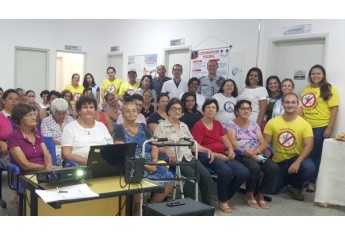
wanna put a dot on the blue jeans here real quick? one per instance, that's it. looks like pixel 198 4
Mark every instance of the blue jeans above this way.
pixel 231 175
pixel 316 153
pixel 306 170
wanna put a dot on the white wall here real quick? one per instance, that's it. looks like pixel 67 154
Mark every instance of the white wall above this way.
pixel 335 51
pixel 53 35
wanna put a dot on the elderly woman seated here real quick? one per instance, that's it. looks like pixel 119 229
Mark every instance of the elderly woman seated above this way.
pixel 132 132
pixel 245 135
pixel 79 135
pixel 231 173
pixel 52 126
pixel 172 128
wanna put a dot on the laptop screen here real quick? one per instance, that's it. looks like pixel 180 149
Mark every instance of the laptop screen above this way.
pixel 108 160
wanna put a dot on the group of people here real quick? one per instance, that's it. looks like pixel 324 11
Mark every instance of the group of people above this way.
pixel 233 129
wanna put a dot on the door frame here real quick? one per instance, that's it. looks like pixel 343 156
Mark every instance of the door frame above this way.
pixel 176 48
pixel 296 38
pixel 46 51
pixel 118 53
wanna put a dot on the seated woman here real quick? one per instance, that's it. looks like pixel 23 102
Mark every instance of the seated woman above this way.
pixel 131 132
pixel 26 144
pixel 160 115
pixel 231 173
pixel 148 109
pixel 175 130
pixel 80 134
pixel 246 135
pixel 190 112
pixel 52 126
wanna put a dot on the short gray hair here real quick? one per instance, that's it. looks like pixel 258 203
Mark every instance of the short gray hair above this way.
pixel 59 104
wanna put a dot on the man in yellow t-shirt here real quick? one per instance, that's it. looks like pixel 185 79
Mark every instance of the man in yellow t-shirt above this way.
pixel 110 85
pixel 292 140
pixel 130 86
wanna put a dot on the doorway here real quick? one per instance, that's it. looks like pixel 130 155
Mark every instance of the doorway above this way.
pixel 116 60
pixel 67 64
pixel 292 58
pixel 180 55
pixel 31 69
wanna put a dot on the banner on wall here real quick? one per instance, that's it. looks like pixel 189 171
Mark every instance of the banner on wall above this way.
pixel 143 64
pixel 199 59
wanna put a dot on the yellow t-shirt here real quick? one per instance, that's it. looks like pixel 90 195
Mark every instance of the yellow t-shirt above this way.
pixel 76 92
pixel 127 87
pixel 287 137
pixel 111 86
pixel 316 110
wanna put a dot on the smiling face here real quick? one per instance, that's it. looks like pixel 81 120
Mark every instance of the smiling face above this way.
pixel 75 80
pixel 175 111
pixel 147 97
pixel 228 87
pixel 290 104
pixel 316 76
pixel 212 67
pixel 253 78
pixel 162 103
pixel 273 85
pixel 287 87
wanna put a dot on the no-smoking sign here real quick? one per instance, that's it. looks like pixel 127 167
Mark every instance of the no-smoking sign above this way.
pixel 309 100
pixel 286 139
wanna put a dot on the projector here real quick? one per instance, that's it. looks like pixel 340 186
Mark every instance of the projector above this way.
pixel 63 175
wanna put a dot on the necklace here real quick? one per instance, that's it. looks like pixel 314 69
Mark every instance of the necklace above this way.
pixel 88 130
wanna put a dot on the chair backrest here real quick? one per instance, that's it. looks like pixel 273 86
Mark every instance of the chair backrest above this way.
pixel 49 142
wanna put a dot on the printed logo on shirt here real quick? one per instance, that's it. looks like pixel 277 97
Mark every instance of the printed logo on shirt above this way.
pixel 229 107
pixel 111 89
pixel 286 139
pixel 76 96
pixel 309 100
pixel 130 92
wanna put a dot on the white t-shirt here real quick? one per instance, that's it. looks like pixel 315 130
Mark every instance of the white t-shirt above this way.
pixel 254 96
pixel 81 138
pixel 226 108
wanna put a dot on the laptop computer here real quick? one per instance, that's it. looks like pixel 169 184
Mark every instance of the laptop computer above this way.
pixel 109 160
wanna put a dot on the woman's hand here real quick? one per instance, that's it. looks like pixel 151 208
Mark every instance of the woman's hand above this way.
pixel 150 168
pixel 255 158
pixel 210 156
pixel 49 167
pixel 172 158
pixel 248 152
pixel 231 154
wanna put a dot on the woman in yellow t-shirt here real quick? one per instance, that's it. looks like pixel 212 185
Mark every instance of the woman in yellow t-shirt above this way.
pixel 320 107
pixel 75 88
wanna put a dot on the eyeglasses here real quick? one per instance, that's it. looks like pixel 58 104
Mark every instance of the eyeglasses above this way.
pixel 176 109
pixel 245 109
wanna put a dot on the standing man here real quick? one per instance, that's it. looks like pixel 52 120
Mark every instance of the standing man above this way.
pixel 128 88
pixel 110 85
pixel 175 86
pixel 160 80
pixel 210 84
pixel 292 140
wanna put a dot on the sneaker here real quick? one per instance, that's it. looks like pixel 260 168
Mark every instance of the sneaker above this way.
pixel 296 193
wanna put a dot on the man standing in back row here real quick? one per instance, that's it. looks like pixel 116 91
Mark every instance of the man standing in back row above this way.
pixel 210 84
pixel 159 81
pixel 292 140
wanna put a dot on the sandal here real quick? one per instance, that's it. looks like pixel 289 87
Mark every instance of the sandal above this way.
pixel 253 204
pixel 226 209
pixel 310 188
pixel 263 204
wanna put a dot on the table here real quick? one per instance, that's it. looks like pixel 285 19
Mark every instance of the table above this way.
pixel 330 187
pixel 112 198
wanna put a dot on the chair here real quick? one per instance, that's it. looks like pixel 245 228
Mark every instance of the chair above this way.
pixel 14 172
pixel 69 163
pixel 3 204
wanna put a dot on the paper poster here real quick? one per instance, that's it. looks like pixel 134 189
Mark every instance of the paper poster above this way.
pixel 143 64
pixel 200 58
